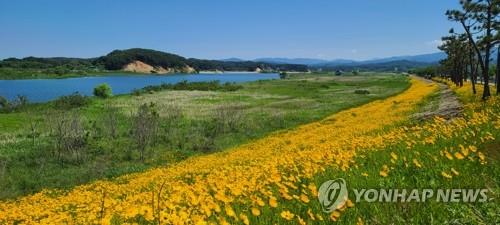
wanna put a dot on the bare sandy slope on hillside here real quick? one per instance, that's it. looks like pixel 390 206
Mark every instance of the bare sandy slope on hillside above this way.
pixel 141 67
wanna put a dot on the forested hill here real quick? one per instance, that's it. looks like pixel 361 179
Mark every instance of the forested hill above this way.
pixel 133 60
pixel 117 59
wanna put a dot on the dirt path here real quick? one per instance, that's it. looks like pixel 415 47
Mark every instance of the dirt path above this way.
pixel 447 106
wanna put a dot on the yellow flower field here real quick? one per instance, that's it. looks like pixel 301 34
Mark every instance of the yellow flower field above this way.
pixel 230 186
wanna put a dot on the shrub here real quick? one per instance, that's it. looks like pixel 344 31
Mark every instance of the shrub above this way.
pixel 68 135
pixel 4 103
pixel 144 127
pixel 103 91
pixel 110 121
pixel 190 86
pixel 283 75
pixel 137 92
pixel 18 103
pixel 74 100
pixel 361 92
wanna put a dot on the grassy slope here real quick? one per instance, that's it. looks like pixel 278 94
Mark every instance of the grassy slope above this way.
pixel 263 107
pixel 415 144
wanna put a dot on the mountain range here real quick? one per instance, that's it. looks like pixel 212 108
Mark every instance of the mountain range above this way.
pixel 431 58
pixel 151 61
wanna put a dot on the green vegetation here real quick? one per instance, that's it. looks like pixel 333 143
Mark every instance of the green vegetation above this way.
pixel 74 100
pixel 283 75
pixel 17 104
pixel 32 67
pixel 60 67
pixel 471 52
pixel 461 155
pixel 117 59
pixel 75 139
pixel 190 86
pixel 361 92
pixel 392 66
pixel 103 91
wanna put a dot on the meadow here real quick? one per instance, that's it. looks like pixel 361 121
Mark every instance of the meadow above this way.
pixel 189 123
pixel 274 179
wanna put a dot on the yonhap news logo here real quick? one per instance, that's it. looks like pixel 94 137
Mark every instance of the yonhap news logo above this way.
pixel 333 194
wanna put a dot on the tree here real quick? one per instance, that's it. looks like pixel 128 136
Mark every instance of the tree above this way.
pixel 473 65
pixel 479 18
pixel 69 135
pixel 497 39
pixel 144 127
pixel 455 65
pixel 110 121
pixel 103 91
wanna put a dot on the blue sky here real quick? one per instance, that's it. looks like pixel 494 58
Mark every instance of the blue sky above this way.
pixel 328 29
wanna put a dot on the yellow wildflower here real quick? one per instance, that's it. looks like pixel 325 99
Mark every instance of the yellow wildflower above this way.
pixel 301 221
pixel 446 175
pixel 304 198
pixel 311 214
pixel 273 202
pixel 260 202
pixel 287 215
pixel 255 211
pixel 335 215
pixel 230 212
pixel 417 163
pixel 459 155
pixel 394 156
pixel 244 219
pixel 385 171
pixel 349 204
pixel 448 155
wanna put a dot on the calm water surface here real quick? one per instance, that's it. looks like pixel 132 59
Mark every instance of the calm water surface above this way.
pixel 42 90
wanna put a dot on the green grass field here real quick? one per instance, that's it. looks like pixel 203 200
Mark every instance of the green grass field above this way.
pixel 190 123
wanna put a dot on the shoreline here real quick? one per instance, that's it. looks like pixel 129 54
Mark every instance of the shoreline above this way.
pixel 116 73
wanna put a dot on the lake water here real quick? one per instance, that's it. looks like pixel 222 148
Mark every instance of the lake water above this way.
pixel 42 90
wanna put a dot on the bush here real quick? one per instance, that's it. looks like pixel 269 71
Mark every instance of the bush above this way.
pixel 18 103
pixel 4 103
pixel 103 91
pixel 361 92
pixel 137 92
pixel 190 86
pixel 69 136
pixel 74 100
pixel 283 75
pixel 145 127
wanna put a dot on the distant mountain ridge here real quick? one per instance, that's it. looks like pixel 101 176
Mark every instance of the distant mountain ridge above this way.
pixel 152 61
pixel 423 58
pixel 302 61
pixel 397 65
